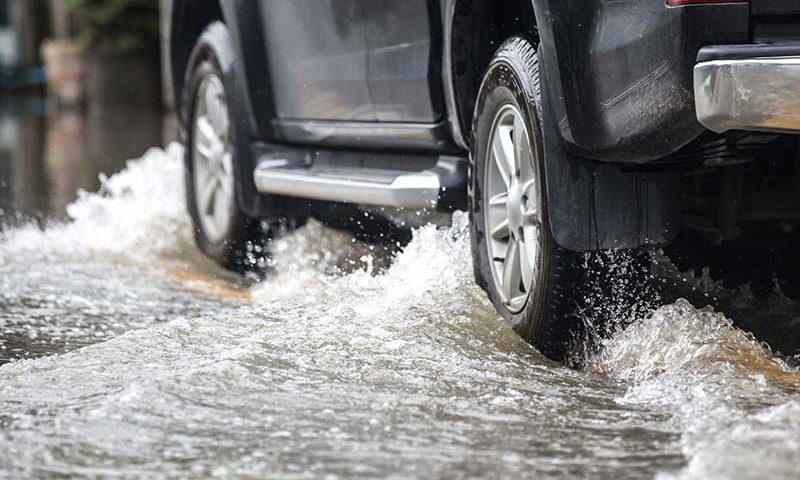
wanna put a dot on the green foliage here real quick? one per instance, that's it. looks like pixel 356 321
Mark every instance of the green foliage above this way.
pixel 118 26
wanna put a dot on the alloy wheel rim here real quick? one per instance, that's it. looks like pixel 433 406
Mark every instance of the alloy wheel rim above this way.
pixel 513 208
pixel 212 159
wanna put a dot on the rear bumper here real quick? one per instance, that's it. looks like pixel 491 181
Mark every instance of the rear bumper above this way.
pixel 620 72
pixel 762 92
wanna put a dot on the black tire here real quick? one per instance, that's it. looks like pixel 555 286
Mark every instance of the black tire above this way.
pixel 244 245
pixel 547 320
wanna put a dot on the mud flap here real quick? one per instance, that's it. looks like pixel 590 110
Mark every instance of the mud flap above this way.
pixel 597 205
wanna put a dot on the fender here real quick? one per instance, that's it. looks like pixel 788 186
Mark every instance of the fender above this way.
pixel 219 38
pixel 599 205
pixel 448 14
pixel 243 19
pixel 189 19
pixel 621 72
pixel 595 204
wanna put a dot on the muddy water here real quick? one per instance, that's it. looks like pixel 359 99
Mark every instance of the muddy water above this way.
pixel 130 356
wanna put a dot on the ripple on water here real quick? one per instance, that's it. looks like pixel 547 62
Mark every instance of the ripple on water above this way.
pixel 326 369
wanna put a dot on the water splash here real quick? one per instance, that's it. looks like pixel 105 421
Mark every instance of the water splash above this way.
pixel 106 271
pixel 138 212
pixel 733 402
pixel 341 365
pixel 615 289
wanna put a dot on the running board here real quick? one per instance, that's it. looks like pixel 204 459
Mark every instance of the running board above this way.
pixel 363 186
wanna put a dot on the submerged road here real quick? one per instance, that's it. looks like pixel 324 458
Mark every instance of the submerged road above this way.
pixel 127 355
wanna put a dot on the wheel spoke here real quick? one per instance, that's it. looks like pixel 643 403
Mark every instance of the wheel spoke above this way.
pixel 205 152
pixel 218 213
pixel 526 265
pixel 208 135
pixel 527 173
pixel 530 217
pixel 501 231
pixel 203 180
pixel 529 186
pixel 220 119
pixel 212 104
pixel 511 272
pixel 499 200
pixel 531 235
pixel 207 193
pixel 226 164
pixel 520 140
pixel 219 111
pixel 503 153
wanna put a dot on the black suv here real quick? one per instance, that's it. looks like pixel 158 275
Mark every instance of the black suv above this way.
pixel 562 126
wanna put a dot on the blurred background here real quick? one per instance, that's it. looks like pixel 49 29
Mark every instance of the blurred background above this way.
pixel 80 92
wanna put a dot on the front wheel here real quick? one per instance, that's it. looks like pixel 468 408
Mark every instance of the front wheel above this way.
pixel 527 276
pixel 216 171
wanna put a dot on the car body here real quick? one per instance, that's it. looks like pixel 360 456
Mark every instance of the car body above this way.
pixel 373 102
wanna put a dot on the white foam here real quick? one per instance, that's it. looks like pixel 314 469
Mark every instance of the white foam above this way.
pixel 139 211
pixel 731 401
pixel 330 329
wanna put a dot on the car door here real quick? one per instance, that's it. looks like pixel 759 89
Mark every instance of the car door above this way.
pixel 317 53
pixel 404 59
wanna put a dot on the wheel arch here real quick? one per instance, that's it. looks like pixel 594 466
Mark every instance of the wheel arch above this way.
pixel 218 38
pixel 190 18
pixel 475 30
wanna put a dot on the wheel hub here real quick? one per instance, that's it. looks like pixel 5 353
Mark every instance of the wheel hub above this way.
pixel 513 208
pixel 212 159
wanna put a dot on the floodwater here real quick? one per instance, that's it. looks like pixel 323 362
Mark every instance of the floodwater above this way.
pixel 127 355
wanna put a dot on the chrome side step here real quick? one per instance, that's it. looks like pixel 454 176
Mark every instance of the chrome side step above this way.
pixel 376 187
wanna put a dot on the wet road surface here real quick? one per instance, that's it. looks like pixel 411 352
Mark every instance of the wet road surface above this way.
pixel 128 355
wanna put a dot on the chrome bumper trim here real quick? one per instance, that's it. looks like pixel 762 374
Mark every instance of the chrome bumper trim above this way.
pixel 751 94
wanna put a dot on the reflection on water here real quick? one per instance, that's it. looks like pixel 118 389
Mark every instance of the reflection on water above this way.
pixel 22 174
pixel 47 156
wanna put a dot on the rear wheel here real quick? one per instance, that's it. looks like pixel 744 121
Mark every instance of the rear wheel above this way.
pixel 527 276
